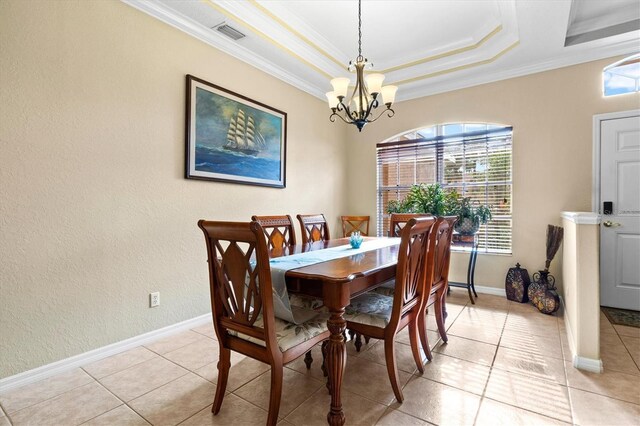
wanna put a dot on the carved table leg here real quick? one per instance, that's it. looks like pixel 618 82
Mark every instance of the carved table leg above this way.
pixel 336 360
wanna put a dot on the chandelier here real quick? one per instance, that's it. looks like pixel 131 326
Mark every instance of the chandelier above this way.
pixel 358 110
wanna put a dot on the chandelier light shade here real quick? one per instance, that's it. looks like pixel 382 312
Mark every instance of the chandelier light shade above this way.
pixel 365 97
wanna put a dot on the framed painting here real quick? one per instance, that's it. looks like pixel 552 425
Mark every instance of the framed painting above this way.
pixel 231 138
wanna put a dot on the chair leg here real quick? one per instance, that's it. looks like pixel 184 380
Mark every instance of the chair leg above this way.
pixel 366 339
pixel 422 332
pixel 308 360
pixel 224 365
pixel 277 372
pixel 440 317
pixel 358 342
pixel 415 349
pixel 392 370
pixel 351 334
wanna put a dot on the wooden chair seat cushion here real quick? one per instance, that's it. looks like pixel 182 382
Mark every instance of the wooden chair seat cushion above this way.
pixel 307 302
pixel 387 289
pixel 288 334
pixel 370 308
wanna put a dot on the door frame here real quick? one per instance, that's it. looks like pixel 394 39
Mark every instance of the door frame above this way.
pixel 597 121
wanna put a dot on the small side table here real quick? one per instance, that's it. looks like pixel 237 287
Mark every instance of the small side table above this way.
pixel 471 242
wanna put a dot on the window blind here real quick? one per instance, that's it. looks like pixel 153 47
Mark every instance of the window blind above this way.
pixel 478 164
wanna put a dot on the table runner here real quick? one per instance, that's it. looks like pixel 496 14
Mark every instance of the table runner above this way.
pixel 280 265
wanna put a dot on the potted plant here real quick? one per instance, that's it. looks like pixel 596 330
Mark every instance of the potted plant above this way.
pixel 435 200
pixel 432 199
pixel 470 216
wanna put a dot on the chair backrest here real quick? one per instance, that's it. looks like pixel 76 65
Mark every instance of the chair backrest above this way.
pixel 415 262
pixel 442 254
pixel 240 279
pixel 314 228
pixel 279 232
pixel 397 221
pixel 355 223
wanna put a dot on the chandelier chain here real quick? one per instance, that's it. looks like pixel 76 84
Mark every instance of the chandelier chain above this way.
pixel 360 28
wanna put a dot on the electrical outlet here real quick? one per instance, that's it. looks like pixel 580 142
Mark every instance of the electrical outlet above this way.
pixel 154 299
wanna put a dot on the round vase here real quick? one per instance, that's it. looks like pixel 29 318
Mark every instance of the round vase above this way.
pixel 466 226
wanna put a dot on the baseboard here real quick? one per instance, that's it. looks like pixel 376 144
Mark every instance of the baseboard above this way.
pixel 495 291
pixel 588 364
pixel 76 361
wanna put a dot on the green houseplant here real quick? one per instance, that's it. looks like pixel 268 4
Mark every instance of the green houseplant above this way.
pixel 435 200
pixel 470 216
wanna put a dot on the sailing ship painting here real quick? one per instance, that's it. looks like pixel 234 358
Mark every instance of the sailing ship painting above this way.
pixel 231 138
pixel 243 136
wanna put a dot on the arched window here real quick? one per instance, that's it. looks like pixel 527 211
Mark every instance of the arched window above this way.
pixel 622 76
pixel 473 158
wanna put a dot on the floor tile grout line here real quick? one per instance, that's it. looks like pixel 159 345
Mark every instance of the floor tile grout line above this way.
pixel 623 344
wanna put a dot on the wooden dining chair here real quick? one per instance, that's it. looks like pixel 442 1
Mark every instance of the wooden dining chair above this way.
pixel 279 232
pixel 355 223
pixel 314 228
pixel 382 317
pixel 397 221
pixel 242 307
pixel 440 282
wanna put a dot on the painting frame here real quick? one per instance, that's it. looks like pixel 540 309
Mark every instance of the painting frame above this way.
pixel 232 138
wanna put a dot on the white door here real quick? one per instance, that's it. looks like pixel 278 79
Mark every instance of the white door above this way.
pixel 620 228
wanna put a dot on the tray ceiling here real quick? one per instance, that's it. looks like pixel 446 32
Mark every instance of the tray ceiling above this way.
pixel 424 47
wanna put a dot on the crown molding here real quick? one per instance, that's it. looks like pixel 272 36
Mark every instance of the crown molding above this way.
pixel 566 60
pixel 169 16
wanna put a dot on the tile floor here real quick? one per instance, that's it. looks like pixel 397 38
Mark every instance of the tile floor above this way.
pixel 493 371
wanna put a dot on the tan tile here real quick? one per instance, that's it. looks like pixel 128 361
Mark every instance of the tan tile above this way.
pixel 593 409
pixel 316 367
pixel 371 380
pixel 393 417
pixel 195 355
pixel 4 421
pixel 566 348
pixel 34 393
pixel 608 383
pixel 533 344
pixel 481 316
pixel 142 378
pixel 496 413
pixel 357 410
pixel 624 330
pixel 605 325
pixel 492 301
pixel 469 350
pixel 540 396
pixel 71 408
pixel 632 343
pixel 176 401
pixel 540 367
pixel 234 411
pixel 465 375
pixel 617 358
pixel 404 356
pixel 543 325
pixel 174 342
pixel 438 403
pixel 206 330
pixel 118 362
pixel 296 388
pixel 243 370
pixel 432 336
pixel 121 416
pixel 475 332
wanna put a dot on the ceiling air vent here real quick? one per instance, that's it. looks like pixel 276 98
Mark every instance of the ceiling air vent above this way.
pixel 230 32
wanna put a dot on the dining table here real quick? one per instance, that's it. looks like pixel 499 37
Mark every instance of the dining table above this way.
pixel 336 282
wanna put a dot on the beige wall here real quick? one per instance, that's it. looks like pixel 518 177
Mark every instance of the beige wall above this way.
pixel 551 114
pixel 94 210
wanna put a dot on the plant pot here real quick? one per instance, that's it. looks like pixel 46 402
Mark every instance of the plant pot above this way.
pixel 466 226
